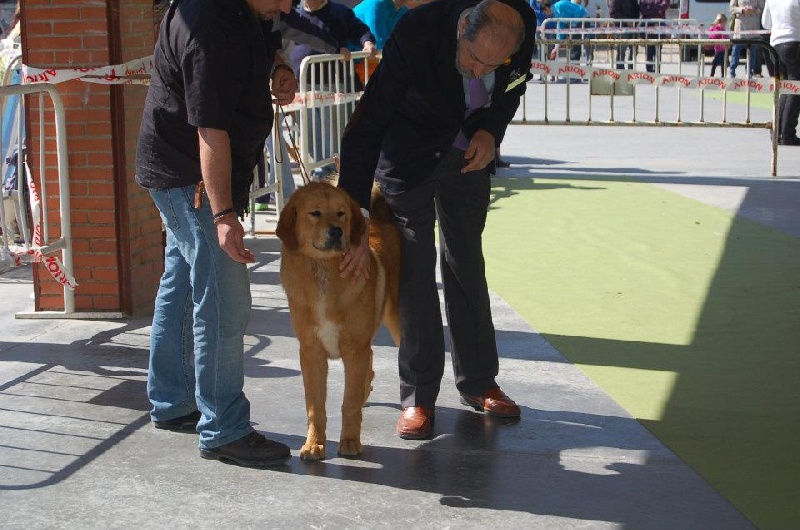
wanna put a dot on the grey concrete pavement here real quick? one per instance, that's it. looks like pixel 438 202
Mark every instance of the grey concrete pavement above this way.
pixel 77 449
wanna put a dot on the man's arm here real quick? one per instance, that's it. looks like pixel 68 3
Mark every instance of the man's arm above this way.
pixel 215 165
pixel 363 136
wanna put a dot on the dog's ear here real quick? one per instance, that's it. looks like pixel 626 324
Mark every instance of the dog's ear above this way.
pixel 358 225
pixel 286 229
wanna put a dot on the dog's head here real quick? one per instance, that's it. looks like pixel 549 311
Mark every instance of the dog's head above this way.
pixel 320 220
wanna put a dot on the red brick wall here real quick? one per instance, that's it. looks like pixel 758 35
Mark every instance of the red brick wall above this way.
pixel 115 227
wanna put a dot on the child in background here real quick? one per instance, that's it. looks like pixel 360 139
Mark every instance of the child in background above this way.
pixel 718 31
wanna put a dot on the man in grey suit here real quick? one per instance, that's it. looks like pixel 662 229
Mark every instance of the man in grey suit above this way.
pixel 448 85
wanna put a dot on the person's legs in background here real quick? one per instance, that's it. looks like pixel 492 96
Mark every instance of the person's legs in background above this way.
pixel 650 57
pixel 753 61
pixel 736 53
pixel 718 61
pixel 789 106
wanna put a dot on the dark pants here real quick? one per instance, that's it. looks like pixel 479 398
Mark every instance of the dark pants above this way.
pixel 460 203
pixel 719 60
pixel 752 59
pixel 789 106
pixel 764 58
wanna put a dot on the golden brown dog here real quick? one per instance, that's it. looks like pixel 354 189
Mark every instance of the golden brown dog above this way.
pixel 333 317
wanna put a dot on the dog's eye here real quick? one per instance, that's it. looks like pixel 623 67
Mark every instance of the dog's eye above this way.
pixel 316 213
pixel 340 214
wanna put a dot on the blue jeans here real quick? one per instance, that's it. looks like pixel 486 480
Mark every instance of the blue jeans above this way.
pixel 201 312
pixel 752 59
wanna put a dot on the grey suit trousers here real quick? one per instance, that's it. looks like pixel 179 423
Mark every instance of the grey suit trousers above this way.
pixel 460 204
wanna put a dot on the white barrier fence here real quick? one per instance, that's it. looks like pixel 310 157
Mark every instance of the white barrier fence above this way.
pixel 649 73
pixel 32 202
pixel 310 128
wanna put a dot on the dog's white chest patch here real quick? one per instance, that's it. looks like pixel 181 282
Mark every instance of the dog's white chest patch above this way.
pixel 328 333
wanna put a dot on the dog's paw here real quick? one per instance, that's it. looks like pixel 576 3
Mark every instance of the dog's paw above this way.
pixel 349 447
pixel 311 451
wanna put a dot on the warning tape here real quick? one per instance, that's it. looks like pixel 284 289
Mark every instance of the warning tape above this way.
pixel 635 31
pixel 34 253
pixel 575 71
pixel 133 72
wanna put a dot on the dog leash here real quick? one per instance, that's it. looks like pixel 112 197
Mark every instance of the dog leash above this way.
pixel 293 150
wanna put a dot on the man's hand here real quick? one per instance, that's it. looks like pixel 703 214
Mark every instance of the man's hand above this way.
pixel 230 235
pixel 284 85
pixel 345 54
pixel 356 260
pixel 480 151
pixel 370 48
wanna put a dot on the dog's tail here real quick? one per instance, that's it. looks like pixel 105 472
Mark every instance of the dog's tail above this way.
pixel 384 238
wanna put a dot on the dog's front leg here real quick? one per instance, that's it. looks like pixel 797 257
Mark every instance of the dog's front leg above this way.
pixel 357 376
pixel 314 365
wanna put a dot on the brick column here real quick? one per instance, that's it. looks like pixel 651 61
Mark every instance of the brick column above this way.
pixel 116 230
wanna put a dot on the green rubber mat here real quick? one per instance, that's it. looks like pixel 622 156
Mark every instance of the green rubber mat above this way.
pixel 686 315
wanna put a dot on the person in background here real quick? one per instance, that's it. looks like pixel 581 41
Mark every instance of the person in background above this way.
pixel 382 15
pixel 341 23
pixel 718 30
pixel 426 129
pixel 292 28
pixel 207 113
pixel 543 12
pixel 542 9
pixel 653 9
pixel 568 9
pixel 747 17
pixel 596 8
pixel 782 17
pixel 624 9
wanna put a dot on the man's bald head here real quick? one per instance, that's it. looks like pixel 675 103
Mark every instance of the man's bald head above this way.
pixel 488 35
pixel 501 24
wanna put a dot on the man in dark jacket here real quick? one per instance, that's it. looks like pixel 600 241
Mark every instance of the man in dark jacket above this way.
pixel 449 83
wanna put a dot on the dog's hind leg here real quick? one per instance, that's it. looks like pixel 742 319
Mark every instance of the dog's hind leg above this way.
pixel 315 378
pixel 357 369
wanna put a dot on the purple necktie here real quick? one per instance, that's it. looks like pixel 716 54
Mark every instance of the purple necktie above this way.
pixel 478 97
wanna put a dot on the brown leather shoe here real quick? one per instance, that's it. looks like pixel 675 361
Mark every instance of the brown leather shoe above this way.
pixel 493 402
pixel 416 423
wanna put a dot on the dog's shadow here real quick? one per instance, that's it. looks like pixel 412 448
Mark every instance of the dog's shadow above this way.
pixel 475 461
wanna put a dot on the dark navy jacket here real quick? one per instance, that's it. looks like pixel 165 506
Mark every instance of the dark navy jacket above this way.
pixel 340 22
pixel 413 106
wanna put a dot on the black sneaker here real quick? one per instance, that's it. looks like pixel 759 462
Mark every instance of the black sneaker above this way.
pixel 252 450
pixel 186 423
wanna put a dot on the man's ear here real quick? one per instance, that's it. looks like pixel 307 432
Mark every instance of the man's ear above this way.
pixel 285 229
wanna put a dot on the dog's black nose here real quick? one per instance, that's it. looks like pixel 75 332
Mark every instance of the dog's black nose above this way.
pixel 335 232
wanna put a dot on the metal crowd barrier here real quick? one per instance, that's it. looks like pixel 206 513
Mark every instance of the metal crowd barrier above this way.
pixel 310 128
pixel 600 72
pixel 39 244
